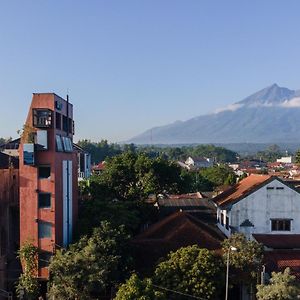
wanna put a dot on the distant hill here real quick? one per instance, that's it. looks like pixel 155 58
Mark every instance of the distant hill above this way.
pixel 271 115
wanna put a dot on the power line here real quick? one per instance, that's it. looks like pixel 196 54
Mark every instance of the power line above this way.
pixel 176 292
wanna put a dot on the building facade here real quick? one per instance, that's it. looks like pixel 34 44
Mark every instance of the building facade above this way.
pixel 48 177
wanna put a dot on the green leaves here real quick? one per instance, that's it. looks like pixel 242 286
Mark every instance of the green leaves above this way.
pixel 88 267
pixel 137 289
pixel 282 286
pixel 191 270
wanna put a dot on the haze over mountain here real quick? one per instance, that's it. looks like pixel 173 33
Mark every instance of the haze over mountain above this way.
pixel 271 115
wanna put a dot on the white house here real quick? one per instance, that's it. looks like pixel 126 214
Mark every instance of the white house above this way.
pixel 259 204
pixel 199 162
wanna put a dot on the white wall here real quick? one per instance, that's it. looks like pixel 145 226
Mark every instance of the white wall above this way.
pixel 263 205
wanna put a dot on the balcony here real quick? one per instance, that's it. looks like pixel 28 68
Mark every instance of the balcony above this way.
pixel 42 118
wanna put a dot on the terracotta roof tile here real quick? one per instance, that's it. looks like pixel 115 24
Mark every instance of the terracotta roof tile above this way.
pixel 241 189
pixel 279 241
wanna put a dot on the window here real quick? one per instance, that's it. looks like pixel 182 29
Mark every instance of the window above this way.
pixel 44 259
pixel 270 187
pixel 44 172
pixel 45 229
pixel 42 139
pixel 280 188
pixel 44 200
pixel 65 123
pixel 222 219
pixel 281 225
pixel 42 118
pixel 28 154
pixel 59 146
pixel 227 222
pixel 58 121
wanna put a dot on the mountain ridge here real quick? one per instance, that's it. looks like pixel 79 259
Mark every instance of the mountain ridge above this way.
pixel 269 115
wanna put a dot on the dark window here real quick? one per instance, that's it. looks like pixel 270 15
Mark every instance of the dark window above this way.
pixel 222 218
pixel 70 125
pixel 65 123
pixel 44 172
pixel 42 118
pixel 44 200
pixel 281 225
pixel 44 259
pixel 280 188
pixel 227 223
pixel 270 187
pixel 45 229
pixel 58 120
pixel 59 145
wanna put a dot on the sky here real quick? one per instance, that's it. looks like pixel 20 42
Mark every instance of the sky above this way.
pixel 132 65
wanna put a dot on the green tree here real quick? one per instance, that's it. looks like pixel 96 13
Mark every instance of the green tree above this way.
pixel 246 261
pixel 297 157
pixel 28 282
pixel 91 265
pixel 137 289
pixel 282 286
pixel 219 175
pixel 191 270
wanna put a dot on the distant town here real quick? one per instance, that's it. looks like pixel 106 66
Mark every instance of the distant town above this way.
pixel 100 220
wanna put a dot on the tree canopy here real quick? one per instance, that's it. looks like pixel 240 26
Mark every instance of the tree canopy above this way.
pixel 246 261
pixel 91 265
pixel 282 286
pixel 138 289
pixel 191 270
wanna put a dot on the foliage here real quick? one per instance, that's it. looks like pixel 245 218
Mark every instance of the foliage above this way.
pixel 28 282
pixel 137 289
pixel 91 265
pixel 132 176
pixel 219 175
pixel 246 261
pixel 282 286
pixel 4 140
pixel 191 270
pixel 28 134
pixel 131 214
pixel 297 157
pixel 100 150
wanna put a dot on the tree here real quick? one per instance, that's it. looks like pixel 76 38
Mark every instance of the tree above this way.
pixel 244 262
pixel 282 286
pixel 137 289
pixel 191 270
pixel 28 282
pixel 297 157
pixel 219 175
pixel 91 265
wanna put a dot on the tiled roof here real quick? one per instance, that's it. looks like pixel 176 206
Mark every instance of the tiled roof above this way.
pixel 279 241
pixel 178 230
pixel 241 189
pixel 279 260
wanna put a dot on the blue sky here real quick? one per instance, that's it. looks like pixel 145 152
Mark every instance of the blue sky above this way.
pixel 132 65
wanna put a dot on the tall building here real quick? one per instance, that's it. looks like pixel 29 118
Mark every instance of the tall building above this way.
pixel 48 177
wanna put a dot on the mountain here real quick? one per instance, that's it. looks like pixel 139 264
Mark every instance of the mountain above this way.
pixel 271 115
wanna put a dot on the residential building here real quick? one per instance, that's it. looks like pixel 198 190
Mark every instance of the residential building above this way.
pixel 266 209
pixel 84 162
pixel 48 177
pixel 199 162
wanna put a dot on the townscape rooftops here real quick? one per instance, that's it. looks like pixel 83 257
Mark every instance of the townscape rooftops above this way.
pixel 242 189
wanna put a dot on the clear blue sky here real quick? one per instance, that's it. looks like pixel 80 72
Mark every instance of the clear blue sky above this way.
pixel 131 65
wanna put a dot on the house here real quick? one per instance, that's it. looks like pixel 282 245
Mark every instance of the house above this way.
pixel 9 221
pixel 266 209
pixel 84 162
pixel 48 177
pixel 199 162
pixel 180 229
pixel 285 160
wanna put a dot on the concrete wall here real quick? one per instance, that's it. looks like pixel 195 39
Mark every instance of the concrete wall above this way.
pixel 262 206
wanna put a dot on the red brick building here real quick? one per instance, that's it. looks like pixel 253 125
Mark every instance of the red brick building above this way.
pixel 48 176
